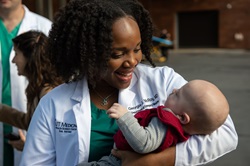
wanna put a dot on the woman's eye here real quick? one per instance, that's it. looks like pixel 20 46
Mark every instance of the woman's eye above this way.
pixel 117 55
pixel 137 50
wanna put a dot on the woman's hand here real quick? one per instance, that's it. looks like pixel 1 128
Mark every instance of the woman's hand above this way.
pixel 128 158
pixel 163 158
pixel 19 144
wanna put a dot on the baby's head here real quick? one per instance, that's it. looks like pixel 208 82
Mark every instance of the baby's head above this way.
pixel 200 106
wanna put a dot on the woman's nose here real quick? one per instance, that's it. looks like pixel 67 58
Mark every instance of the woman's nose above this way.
pixel 131 60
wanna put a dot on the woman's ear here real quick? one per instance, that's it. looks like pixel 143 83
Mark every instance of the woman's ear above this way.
pixel 184 118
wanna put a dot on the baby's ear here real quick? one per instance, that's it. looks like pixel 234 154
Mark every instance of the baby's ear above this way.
pixel 184 118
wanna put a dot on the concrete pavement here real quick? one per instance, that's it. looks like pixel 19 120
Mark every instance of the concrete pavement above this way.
pixel 230 71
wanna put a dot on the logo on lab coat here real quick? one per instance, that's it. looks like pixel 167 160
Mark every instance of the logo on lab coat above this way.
pixel 64 127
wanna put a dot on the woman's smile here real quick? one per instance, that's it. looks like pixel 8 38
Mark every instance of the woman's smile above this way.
pixel 124 76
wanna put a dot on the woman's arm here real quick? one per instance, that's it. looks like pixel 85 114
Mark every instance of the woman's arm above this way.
pixel 39 148
pixel 163 158
pixel 204 149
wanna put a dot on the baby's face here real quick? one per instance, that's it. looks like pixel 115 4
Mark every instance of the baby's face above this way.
pixel 176 101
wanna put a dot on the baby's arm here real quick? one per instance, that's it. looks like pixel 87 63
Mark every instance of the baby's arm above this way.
pixel 142 140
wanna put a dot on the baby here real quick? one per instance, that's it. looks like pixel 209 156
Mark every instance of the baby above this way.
pixel 198 107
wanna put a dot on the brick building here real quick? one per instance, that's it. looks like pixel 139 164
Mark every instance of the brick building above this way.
pixel 192 23
pixel 203 23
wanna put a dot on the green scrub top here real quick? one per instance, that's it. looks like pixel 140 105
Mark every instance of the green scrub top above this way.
pixel 5 49
pixel 103 129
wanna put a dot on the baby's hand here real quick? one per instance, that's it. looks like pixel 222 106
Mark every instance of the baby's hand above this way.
pixel 116 111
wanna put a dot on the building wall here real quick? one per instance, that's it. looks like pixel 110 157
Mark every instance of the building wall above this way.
pixel 234 16
pixel 46 8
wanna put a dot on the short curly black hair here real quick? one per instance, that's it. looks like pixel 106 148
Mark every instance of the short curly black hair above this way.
pixel 80 40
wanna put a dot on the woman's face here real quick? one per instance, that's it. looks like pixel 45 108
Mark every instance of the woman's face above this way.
pixel 20 61
pixel 126 53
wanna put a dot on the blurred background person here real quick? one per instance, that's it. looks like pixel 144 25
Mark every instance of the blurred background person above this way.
pixel 15 19
pixel 164 48
pixel 32 62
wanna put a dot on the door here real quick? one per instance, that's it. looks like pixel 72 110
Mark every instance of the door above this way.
pixel 198 29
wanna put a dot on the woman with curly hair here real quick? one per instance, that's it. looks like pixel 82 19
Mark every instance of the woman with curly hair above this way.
pixel 96 46
pixel 32 61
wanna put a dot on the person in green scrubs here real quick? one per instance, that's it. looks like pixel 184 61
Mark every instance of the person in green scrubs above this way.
pixel 6 36
pixel 15 18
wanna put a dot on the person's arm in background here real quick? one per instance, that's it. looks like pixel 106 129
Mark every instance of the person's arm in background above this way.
pixel 194 151
pixel 18 118
pixel 18 144
pixel 14 117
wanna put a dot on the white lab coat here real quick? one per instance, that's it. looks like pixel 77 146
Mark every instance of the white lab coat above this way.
pixel 59 133
pixel 31 21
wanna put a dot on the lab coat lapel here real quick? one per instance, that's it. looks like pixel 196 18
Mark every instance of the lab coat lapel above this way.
pixel 82 113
